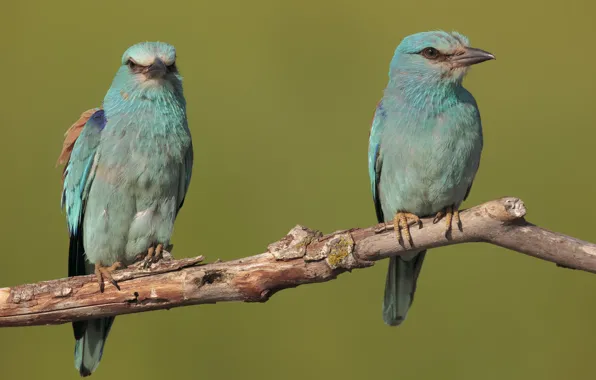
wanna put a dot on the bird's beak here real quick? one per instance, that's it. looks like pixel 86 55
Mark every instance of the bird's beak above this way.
pixel 157 69
pixel 471 56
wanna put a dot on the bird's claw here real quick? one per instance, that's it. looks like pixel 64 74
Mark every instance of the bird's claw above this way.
pixel 401 224
pixel 105 273
pixel 449 213
pixel 153 255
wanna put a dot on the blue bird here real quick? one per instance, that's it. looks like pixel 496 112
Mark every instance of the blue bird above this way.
pixel 424 148
pixel 127 170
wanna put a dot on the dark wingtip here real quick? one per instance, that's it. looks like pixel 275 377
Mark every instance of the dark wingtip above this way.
pixel 84 372
pixel 79 329
pixel 394 322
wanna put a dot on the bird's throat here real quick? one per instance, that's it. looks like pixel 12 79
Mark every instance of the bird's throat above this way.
pixel 419 94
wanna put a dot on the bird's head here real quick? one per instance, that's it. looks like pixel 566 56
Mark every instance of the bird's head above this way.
pixel 148 69
pixel 435 57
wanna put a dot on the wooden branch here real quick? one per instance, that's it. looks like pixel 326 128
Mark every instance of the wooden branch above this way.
pixel 303 256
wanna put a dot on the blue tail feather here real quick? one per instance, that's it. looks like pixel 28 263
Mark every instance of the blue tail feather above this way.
pixel 89 348
pixel 400 286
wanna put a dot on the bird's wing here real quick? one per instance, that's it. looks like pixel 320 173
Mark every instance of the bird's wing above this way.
pixel 375 161
pixel 472 181
pixel 186 175
pixel 78 155
pixel 468 191
pixel 476 123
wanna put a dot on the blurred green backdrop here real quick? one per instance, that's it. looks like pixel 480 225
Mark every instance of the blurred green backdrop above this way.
pixel 281 95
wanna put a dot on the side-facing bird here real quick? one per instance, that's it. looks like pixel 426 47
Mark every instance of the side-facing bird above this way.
pixel 128 168
pixel 424 148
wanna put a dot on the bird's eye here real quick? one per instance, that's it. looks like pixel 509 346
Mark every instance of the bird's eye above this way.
pixel 430 53
pixel 132 64
pixel 172 68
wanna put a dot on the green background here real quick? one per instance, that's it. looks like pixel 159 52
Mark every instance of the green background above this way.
pixel 281 95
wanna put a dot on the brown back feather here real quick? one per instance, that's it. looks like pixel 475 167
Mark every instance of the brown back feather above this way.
pixel 71 136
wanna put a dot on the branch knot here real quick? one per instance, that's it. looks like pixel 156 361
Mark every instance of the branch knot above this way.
pixel 294 244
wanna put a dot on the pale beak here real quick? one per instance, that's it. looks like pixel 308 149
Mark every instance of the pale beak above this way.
pixel 471 56
pixel 157 69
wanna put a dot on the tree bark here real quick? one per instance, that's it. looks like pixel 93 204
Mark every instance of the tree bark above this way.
pixel 303 256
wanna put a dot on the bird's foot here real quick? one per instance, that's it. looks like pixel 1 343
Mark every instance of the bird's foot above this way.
pixel 105 273
pixel 401 224
pixel 153 255
pixel 450 213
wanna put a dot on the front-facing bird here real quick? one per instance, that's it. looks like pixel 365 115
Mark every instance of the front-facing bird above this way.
pixel 128 167
pixel 424 148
